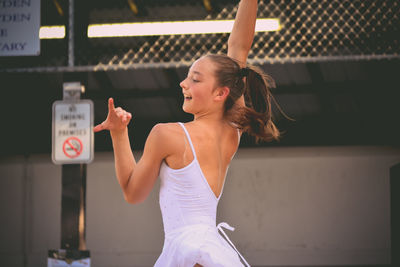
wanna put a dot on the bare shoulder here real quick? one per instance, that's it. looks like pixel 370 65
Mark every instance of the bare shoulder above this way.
pixel 166 137
pixel 166 130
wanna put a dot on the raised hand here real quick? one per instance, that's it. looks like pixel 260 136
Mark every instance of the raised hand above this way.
pixel 117 119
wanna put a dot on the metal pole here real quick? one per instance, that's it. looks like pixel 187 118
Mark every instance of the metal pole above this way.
pixel 71 34
pixel 73 202
pixel 73 199
pixel 73 206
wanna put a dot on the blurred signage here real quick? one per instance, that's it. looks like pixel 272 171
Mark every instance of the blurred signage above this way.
pixel 19 27
pixel 72 132
pixel 68 258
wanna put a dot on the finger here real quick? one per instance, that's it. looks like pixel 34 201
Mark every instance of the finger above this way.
pixel 129 115
pixel 119 113
pixel 111 106
pixel 98 128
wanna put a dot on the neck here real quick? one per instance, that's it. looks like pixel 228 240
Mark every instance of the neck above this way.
pixel 209 117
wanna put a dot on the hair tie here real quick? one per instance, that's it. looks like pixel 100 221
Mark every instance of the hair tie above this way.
pixel 243 72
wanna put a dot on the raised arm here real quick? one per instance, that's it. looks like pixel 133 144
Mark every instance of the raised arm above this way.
pixel 241 38
pixel 242 35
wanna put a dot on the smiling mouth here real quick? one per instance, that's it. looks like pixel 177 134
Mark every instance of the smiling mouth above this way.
pixel 187 97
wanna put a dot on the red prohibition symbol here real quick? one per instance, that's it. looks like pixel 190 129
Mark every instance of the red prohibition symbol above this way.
pixel 72 147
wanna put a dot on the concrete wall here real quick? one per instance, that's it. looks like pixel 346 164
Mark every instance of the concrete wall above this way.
pixel 290 206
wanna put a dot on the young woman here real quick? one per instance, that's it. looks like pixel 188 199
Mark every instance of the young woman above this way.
pixel 192 159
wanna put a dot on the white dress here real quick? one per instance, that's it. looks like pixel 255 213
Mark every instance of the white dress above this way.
pixel 189 209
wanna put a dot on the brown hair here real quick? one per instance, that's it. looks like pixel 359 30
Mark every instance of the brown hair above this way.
pixel 256 117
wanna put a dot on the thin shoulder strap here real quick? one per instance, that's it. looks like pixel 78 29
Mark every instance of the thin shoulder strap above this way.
pixel 188 137
pixel 238 132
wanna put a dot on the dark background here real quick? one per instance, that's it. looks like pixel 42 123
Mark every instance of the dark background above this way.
pixel 339 92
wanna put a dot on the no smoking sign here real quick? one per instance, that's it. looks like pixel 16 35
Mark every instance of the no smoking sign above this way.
pixel 72 147
pixel 72 132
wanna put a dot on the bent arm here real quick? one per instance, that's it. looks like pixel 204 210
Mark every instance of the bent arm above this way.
pixel 137 179
pixel 241 38
pixel 124 160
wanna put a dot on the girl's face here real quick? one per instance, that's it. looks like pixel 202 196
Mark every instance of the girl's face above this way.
pixel 198 87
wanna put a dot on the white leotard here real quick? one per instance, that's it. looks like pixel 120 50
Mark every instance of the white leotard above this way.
pixel 189 209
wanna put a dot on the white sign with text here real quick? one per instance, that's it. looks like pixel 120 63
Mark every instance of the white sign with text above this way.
pixel 73 138
pixel 19 27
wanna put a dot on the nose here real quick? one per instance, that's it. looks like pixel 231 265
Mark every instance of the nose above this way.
pixel 183 84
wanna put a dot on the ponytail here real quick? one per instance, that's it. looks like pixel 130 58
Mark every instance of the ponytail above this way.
pixel 256 117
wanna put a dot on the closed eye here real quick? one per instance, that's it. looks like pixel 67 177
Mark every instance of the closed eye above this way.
pixel 193 79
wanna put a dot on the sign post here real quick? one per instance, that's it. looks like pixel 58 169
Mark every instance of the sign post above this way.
pixel 73 147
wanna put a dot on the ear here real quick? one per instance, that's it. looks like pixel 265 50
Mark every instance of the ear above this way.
pixel 221 93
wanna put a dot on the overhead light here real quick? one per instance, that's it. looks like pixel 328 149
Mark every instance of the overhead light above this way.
pixel 52 32
pixel 158 28
pixel 173 28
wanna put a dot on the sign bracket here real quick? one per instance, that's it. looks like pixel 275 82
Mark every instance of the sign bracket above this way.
pixel 72 91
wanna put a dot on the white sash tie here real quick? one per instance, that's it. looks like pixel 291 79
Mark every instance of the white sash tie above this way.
pixel 230 228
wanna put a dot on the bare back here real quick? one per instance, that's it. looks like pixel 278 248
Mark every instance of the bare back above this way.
pixel 214 146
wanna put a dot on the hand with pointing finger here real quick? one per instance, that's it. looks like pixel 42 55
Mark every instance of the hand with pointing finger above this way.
pixel 116 121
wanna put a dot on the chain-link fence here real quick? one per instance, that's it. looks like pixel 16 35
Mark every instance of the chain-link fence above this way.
pixel 311 30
